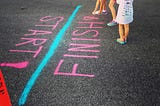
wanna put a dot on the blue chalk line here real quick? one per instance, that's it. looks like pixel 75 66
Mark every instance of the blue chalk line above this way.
pixel 47 57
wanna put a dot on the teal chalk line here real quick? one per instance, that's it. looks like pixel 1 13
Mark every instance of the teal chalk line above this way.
pixel 46 58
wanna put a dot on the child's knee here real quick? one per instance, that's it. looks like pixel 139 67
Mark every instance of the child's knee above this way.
pixel 110 6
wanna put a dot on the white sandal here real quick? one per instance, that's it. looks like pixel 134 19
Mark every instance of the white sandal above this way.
pixel 95 13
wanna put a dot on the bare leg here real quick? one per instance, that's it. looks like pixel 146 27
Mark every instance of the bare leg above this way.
pixel 113 11
pixel 96 7
pixel 126 29
pixel 102 6
pixel 121 32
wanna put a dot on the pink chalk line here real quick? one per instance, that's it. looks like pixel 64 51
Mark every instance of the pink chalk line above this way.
pixel 19 65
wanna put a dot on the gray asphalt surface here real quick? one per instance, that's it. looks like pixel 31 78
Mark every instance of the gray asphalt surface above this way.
pixel 127 75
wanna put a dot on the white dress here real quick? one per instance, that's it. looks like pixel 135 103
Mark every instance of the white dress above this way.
pixel 125 11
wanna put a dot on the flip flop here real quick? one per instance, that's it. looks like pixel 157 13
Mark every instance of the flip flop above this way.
pixel 104 12
pixel 95 13
pixel 121 42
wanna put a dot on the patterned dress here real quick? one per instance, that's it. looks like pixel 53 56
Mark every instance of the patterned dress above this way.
pixel 125 11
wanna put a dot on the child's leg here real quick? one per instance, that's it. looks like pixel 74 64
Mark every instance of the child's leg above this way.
pixel 121 32
pixel 102 6
pixel 126 29
pixel 96 7
pixel 121 40
pixel 113 11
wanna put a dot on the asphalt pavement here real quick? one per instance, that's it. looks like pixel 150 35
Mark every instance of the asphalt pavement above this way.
pixel 56 53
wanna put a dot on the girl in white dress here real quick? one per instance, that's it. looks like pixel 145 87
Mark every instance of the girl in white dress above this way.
pixel 124 18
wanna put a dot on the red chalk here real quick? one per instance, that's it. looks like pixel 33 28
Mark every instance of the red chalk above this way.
pixel 4 97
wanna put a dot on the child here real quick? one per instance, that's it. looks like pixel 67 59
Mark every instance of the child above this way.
pixel 113 12
pixel 123 18
pixel 102 9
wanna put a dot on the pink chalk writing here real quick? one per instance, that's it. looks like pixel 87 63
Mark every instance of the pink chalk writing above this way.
pixel 80 56
pixel 91 24
pixel 81 47
pixel 49 18
pixel 38 32
pixel 74 33
pixel 34 41
pixel 73 73
pixel 19 65
pixel 90 18
pixel 85 39
pixel 36 52
pixel 44 22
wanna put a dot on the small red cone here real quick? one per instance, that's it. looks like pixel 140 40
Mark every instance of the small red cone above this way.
pixel 4 97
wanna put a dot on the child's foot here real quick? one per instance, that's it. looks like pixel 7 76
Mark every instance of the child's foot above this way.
pixel 122 42
pixel 104 11
pixel 95 12
pixel 112 23
pixel 125 40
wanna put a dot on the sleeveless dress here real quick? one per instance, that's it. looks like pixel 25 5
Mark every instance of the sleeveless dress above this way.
pixel 125 11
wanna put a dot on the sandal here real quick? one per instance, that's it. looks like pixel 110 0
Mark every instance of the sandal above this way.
pixel 121 42
pixel 95 12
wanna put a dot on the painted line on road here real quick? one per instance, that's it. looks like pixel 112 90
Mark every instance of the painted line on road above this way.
pixel 47 57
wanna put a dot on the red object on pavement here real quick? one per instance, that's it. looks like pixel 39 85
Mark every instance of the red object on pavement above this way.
pixel 4 97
